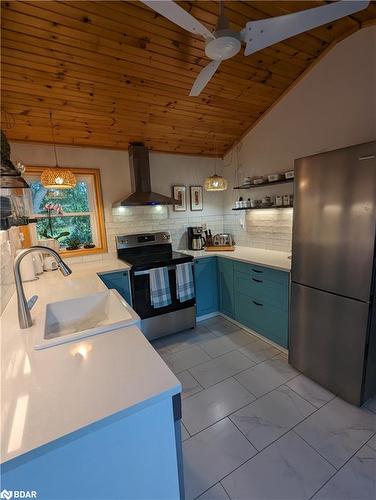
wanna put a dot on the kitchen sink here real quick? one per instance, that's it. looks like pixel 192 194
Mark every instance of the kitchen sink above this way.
pixel 74 319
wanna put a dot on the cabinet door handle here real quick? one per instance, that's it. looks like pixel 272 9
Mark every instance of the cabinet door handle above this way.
pixel 257 270
pixel 257 303
pixel 257 281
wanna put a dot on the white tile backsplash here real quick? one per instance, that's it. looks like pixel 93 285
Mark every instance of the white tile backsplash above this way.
pixel 9 243
pixel 269 229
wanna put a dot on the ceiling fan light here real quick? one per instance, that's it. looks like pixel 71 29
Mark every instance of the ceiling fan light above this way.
pixel 58 178
pixel 215 183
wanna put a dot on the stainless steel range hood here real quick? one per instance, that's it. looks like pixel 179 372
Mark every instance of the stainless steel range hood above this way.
pixel 140 180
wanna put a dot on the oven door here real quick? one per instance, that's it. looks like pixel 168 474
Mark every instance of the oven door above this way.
pixel 141 295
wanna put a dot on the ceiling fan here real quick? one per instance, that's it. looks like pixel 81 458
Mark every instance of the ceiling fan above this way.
pixel 225 43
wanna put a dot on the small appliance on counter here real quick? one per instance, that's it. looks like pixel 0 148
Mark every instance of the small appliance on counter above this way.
pixel 222 239
pixel 221 242
pixel 196 240
pixel 49 263
pixel 27 267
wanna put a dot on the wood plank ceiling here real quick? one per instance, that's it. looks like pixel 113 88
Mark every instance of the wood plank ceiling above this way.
pixel 112 72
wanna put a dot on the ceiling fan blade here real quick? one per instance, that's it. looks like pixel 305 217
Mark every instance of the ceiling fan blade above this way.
pixel 204 77
pixel 266 32
pixel 179 16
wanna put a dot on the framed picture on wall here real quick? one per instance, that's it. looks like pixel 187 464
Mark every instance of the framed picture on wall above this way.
pixel 180 194
pixel 196 198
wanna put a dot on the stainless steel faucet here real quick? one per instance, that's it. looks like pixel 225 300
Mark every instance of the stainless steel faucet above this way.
pixel 24 316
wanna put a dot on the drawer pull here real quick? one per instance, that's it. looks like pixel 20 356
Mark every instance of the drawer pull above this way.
pixel 256 270
pixel 257 303
pixel 257 281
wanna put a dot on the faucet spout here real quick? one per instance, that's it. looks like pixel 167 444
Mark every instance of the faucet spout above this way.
pixel 24 316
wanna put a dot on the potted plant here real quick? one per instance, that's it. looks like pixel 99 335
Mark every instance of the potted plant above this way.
pixel 50 208
pixel 89 244
pixel 74 242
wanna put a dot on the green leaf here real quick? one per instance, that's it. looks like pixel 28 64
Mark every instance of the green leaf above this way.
pixel 61 235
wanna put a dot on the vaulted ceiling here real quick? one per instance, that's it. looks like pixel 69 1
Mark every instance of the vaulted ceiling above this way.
pixel 112 72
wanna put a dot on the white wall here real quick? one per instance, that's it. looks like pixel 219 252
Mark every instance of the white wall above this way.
pixel 333 106
pixel 166 170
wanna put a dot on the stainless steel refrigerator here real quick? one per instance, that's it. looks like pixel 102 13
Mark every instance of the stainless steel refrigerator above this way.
pixel 332 336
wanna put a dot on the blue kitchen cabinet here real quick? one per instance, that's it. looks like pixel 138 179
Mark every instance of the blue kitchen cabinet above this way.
pixel 206 282
pixel 120 282
pixel 261 300
pixel 106 460
pixel 226 286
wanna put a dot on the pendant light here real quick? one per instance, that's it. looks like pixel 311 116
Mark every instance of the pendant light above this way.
pixel 57 177
pixel 215 182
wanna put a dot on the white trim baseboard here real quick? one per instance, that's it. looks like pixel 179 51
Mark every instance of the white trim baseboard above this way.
pixel 207 316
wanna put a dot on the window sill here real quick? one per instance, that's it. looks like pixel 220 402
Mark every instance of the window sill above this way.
pixel 80 252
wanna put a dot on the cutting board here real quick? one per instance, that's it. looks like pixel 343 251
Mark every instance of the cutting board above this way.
pixel 220 248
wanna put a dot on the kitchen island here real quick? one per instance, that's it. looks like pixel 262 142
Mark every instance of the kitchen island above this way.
pixel 96 418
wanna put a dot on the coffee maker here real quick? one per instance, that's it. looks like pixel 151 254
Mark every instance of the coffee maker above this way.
pixel 196 240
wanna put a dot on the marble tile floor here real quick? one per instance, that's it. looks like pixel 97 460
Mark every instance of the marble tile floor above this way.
pixel 253 428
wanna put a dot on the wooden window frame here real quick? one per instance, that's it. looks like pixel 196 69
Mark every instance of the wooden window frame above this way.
pixel 95 173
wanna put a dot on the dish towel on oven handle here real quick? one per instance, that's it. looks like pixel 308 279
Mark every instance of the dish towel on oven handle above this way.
pixel 160 295
pixel 185 288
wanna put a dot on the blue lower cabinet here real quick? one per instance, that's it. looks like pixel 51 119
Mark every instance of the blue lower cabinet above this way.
pixel 206 282
pixel 120 282
pixel 270 321
pixel 261 300
pixel 130 455
pixel 226 286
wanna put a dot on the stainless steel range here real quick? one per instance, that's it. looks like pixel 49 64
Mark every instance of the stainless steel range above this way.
pixel 144 252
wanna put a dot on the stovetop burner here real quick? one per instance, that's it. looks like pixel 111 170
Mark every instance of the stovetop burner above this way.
pixel 155 259
pixel 148 250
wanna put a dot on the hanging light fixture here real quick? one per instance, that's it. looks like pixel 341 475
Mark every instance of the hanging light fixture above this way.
pixel 215 182
pixel 57 177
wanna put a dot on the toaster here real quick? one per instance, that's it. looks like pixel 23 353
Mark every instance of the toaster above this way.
pixel 222 239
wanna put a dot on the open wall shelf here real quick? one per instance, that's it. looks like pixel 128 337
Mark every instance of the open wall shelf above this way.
pixel 283 181
pixel 261 208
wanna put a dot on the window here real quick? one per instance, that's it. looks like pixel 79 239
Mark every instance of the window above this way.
pixel 80 222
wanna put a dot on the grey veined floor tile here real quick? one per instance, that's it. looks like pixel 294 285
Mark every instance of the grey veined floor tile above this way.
pixel 182 340
pixel 259 351
pixel 266 376
pixel 213 404
pixel 182 360
pixel 216 492
pixel 355 481
pixel 189 384
pixel 211 455
pixel 310 391
pixel 184 432
pixel 372 442
pixel 271 416
pixel 288 469
pixel 226 343
pixel 219 368
pixel 338 430
pixel 371 404
pixel 221 326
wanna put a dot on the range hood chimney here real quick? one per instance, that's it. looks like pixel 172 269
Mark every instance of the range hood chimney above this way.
pixel 140 180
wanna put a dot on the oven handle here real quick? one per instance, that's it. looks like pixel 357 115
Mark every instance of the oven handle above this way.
pixel 147 271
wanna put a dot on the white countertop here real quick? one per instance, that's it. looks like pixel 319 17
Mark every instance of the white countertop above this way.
pixel 269 258
pixel 49 393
